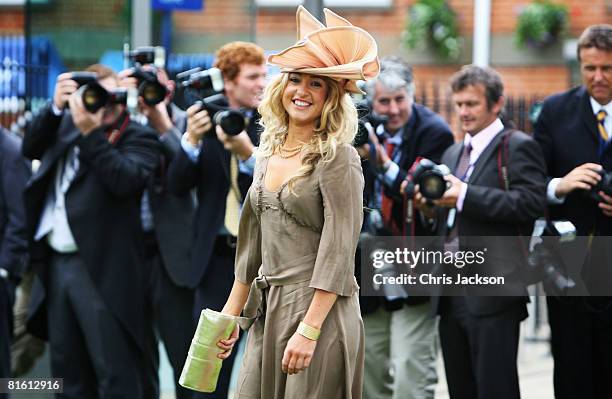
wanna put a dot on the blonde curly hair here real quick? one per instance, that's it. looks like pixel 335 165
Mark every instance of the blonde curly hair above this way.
pixel 336 126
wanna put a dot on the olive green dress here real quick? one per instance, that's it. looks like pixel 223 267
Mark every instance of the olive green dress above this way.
pixel 288 245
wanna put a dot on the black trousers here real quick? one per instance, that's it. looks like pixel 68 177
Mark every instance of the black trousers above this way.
pixel 90 350
pixel 581 343
pixel 212 293
pixel 7 298
pixel 480 352
pixel 172 316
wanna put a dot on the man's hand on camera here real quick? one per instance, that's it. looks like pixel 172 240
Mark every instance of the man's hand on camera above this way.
pixel 157 115
pixel 381 154
pixel 582 177
pixel 421 203
pixel 606 204
pixel 240 144
pixel 449 199
pixel 198 123
pixel 64 87
pixel 85 121
pixel 126 80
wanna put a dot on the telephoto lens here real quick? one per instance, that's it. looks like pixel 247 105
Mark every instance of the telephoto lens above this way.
pixel 231 121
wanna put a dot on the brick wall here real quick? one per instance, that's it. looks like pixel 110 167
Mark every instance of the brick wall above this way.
pixel 503 16
pixel 11 21
pixel 582 14
pixel 541 81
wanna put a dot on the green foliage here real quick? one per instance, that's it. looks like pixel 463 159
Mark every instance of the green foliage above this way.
pixel 540 24
pixel 432 23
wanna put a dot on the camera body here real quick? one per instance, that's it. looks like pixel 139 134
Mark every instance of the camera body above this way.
pixel 605 185
pixel 95 96
pixel 149 87
pixel 366 116
pixel 201 85
pixel 83 77
pixel 429 176
pixel 146 55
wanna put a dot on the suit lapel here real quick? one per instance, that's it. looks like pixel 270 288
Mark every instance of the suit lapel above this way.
pixel 67 134
pixel 483 159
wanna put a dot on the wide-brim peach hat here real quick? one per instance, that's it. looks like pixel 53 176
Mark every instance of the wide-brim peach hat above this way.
pixel 339 50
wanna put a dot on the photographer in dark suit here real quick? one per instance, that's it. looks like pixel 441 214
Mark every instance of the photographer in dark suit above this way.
pixel 167 222
pixel 83 220
pixel 401 341
pixel 220 167
pixel 574 130
pixel 14 173
pixel 479 333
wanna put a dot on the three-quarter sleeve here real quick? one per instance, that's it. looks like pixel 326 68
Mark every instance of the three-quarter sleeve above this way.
pixel 248 249
pixel 341 184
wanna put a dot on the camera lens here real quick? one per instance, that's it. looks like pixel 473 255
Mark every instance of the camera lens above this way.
pixel 152 92
pixel 231 121
pixel 94 97
pixel 432 185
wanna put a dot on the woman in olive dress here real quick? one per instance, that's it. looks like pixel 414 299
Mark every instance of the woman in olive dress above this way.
pixel 294 282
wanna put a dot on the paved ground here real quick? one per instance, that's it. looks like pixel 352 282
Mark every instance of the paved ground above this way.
pixel 535 368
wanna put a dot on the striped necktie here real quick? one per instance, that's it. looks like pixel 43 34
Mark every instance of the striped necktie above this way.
pixel 232 201
pixel 601 117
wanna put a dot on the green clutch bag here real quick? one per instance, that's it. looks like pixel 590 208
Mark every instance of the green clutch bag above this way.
pixel 202 367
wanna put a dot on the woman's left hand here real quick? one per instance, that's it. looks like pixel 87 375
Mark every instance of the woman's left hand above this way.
pixel 298 354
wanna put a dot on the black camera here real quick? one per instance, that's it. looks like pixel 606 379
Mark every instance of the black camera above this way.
pixel 149 88
pixel 429 176
pixel 82 77
pixel 95 96
pixel 366 116
pixel 201 85
pixel 544 262
pixel 605 185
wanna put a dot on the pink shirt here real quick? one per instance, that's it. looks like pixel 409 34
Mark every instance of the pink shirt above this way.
pixel 478 142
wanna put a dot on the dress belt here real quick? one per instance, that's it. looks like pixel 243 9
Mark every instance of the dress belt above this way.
pixel 297 271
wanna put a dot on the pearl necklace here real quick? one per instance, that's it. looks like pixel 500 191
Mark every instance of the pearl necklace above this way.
pixel 290 152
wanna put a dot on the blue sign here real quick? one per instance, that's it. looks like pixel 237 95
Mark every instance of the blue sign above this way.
pixel 170 5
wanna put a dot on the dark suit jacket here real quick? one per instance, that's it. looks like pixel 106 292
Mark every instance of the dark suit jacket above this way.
pixel 491 211
pixel 103 208
pixel 14 173
pixel 425 135
pixel 567 132
pixel 172 213
pixel 210 177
